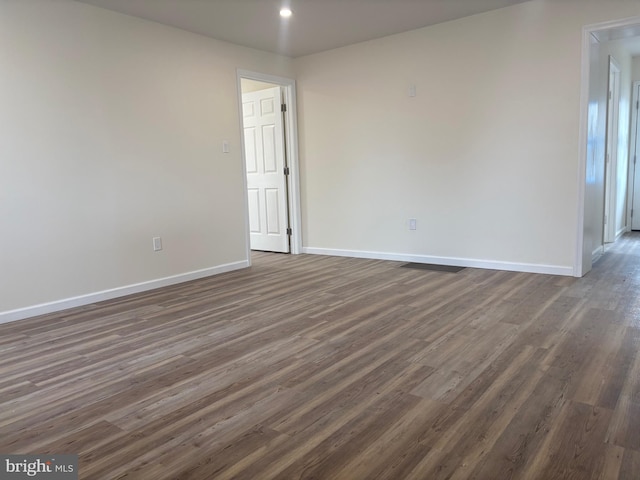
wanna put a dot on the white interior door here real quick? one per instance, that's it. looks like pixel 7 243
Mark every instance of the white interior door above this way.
pixel 266 179
pixel 635 168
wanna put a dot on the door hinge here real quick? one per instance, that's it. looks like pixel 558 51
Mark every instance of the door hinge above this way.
pixel 289 231
pixel 286 170
pixel 632 213
pixel 610 94
pixel 283 107
pixel 605 219
pixel 637 104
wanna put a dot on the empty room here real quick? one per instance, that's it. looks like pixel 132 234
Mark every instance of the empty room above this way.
pixel 271 239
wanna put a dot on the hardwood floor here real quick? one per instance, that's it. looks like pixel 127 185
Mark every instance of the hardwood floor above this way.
pixel 332 368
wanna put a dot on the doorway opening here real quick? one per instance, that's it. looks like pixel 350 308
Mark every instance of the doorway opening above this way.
pixel 270 162
pixel 606 161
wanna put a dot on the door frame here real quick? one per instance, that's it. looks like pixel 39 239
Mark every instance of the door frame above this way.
pixel 612 136
pixel 634 139
pixel 582 260
pixel 291 146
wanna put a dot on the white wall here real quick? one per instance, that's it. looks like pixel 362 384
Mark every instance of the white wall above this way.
pixel 635 66
pixel 621 166
pixel 593 239
pixel 111 132
pixel 485 157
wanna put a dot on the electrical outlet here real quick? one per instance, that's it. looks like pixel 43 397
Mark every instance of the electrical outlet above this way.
pixel 413 224
pixel 157 244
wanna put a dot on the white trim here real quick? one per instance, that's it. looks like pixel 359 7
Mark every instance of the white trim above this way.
pixel 587 31
pixel 624 22
pixel 456 262
pixel 58 305
pixel 289 86
pixel 597 253
pixel 579 268
pixel 611 140
pixel 633 143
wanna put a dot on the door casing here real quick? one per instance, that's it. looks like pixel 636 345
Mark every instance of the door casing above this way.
pixel 633 215
pixel 611 152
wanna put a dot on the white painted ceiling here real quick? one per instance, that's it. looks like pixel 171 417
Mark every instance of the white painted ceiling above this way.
pixel 316 25
pixel 629 37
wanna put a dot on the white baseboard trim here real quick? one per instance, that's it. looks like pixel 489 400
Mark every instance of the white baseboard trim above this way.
pixel 456 262
pixel 64 304
pixel 597 253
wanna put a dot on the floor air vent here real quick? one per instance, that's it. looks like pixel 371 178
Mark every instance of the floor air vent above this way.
pixel 433 268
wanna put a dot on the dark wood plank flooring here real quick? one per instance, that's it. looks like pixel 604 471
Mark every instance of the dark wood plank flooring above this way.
pixel 332 368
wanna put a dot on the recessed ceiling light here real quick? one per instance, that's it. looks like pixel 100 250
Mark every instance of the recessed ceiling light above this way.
pixel 286 12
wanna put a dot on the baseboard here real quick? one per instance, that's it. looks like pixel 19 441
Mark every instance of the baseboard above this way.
pixel 457 262
pixel 597 253
pixel 58 305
